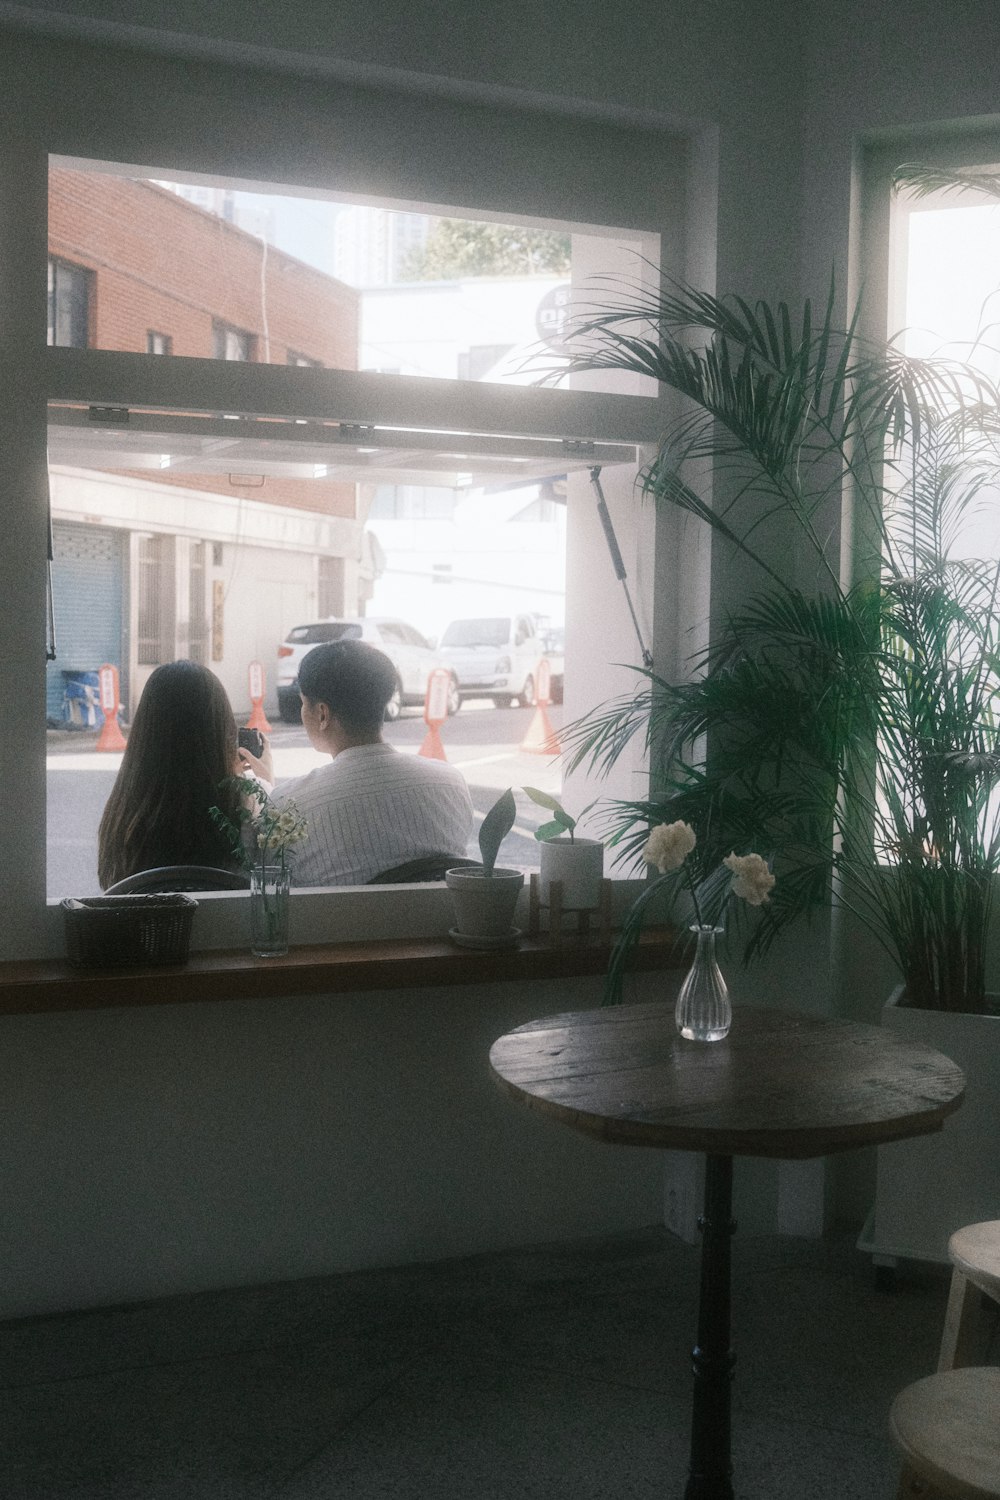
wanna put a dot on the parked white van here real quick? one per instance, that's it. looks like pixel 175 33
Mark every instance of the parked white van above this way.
pixel 494 656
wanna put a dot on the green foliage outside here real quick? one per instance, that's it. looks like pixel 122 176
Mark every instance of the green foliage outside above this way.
pixel 457 248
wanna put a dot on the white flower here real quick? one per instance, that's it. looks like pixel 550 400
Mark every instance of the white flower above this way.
pixel 669 845
pixel 277 829
pixel 751 878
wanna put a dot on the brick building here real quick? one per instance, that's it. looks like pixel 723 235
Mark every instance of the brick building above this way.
pixel 149 564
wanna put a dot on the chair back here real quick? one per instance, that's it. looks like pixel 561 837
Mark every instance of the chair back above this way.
pixel 180 878
pixel 427 867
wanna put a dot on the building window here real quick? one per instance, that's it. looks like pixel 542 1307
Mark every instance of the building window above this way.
pixel 159 343
pixel 69 305
pixel 151 592
pixel 197 603
pixel 481 359
pixel 304 361
pixel 330 587
pixel 232 343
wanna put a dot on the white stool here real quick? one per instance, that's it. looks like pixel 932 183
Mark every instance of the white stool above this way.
pixel 946 1428
pixel 975 1254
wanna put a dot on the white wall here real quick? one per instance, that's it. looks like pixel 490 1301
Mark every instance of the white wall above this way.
pixel 179 1148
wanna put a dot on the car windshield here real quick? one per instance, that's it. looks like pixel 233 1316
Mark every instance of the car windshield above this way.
pixel 324 631
pixel 477 633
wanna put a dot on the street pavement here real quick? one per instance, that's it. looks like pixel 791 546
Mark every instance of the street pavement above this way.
pixel 482 741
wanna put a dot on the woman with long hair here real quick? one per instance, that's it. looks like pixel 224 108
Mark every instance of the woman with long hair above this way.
pixel 181 746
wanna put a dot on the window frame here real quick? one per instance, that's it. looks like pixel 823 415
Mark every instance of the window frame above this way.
pixel 226 336
pixel 372 126
pixel 83 276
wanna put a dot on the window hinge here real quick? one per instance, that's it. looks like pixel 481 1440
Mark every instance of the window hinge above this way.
pixel 112 416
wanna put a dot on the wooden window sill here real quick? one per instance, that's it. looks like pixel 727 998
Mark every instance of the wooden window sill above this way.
pixel 37 986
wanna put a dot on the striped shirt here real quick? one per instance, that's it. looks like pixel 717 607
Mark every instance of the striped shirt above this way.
pixel 372 808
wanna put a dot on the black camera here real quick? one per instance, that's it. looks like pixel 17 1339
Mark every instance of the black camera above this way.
pixel 252 740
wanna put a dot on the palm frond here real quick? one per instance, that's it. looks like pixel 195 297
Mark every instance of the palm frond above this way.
pixel 921 180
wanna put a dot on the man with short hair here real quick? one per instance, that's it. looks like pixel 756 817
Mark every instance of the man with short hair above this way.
pixel 371 808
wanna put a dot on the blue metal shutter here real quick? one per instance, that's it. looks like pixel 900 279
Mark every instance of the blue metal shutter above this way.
pixel 88 595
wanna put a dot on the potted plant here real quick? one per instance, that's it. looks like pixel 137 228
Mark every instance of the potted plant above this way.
pixel 485 899
pixel 576 862
pixel 850 725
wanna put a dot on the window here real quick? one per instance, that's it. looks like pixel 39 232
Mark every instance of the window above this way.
pixel 158 343
pixel 476 363
pixel 231 343
pixel 153 599
pixel 303 361
pixel 197 603
pixel 210 416
pixel 323 632
pixel 330 586
pixel 944 294
pixel 414 638
pixel 69 305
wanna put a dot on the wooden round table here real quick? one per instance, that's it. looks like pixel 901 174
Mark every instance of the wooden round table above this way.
pixel 782 1085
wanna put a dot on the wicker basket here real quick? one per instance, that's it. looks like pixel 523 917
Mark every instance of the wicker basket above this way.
pixel 104 932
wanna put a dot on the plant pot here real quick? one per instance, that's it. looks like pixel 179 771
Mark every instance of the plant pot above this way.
pixel 579 866
pixel 930 1186
pixel 484 904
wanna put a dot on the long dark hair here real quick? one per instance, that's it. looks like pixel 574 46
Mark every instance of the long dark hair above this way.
pixel 182 744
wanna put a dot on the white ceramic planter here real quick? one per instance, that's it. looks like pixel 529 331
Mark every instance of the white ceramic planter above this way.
pixel 484 904
pixel 579 866
pixel 932 1185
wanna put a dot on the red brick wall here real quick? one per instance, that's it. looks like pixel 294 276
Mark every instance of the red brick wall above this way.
pixel 160 263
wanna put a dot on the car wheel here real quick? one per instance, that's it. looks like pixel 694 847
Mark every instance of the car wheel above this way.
pixel 557 691
pixel 526 697
pixel 290 709
pixel 454 697
pixel 503 700
pixel 394 705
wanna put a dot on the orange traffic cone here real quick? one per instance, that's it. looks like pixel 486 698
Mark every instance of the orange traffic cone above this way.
pixel 435 713
pixel 258 718
pixel 541 738
pixel 432 746
pixel 110 737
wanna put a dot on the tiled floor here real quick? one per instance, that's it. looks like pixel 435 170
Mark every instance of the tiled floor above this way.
pixel 554 1373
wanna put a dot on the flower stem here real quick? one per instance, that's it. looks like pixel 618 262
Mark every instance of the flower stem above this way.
pixel 694 898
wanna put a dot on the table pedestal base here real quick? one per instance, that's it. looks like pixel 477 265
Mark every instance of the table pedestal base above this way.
pixel 710 1475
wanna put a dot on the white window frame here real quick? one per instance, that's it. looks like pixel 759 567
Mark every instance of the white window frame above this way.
pixel 542 194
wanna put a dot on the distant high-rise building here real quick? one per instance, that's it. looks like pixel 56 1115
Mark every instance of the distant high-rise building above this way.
pixel 371 245
pixel 245 210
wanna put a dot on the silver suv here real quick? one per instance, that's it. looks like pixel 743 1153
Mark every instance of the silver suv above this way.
pixel 405 647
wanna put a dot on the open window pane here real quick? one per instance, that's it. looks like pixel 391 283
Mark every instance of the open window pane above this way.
pixel 223 272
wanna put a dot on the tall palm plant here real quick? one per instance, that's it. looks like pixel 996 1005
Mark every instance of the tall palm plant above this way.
pixel 851 729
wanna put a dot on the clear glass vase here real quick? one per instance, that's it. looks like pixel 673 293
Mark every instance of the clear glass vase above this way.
pixel 704 1012
pixel 269 885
